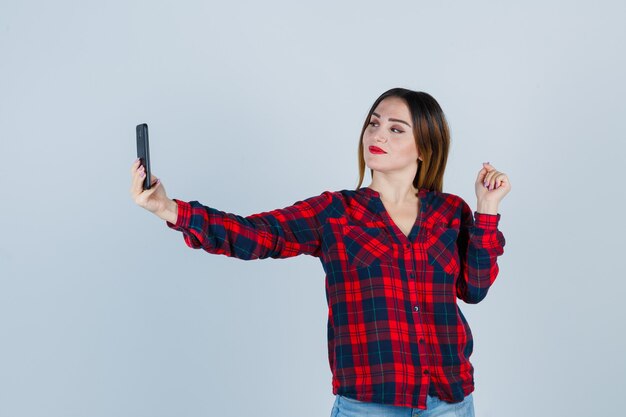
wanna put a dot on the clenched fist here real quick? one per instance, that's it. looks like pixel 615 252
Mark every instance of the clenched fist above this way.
pixel 491 186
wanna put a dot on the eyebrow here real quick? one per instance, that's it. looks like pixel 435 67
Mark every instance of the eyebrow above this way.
pixel 392 120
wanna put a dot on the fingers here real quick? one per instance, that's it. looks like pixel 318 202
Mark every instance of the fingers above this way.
pixel 138 174
pixel 489 181
pixel 155 182
pixel 135 165
pixel 502 180
pixel 483 172
pixel 154 186
pixel 490 177
pixel 494 181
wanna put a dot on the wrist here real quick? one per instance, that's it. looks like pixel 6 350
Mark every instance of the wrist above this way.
pixel 169 212
pixel 487 207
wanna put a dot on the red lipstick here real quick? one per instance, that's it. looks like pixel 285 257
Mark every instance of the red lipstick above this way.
pixel 376 149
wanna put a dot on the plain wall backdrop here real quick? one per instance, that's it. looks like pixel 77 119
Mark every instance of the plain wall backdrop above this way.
pixel 253 106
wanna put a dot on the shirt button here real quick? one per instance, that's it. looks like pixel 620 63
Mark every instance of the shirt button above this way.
pixel 412 274
pixel 426 372
pixel 408 246
pixel 416 308
pixel 422 341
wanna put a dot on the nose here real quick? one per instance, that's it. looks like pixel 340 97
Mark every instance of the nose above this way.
pixel 380 137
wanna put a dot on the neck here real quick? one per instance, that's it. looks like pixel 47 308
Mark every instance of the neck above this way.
pixel 394 190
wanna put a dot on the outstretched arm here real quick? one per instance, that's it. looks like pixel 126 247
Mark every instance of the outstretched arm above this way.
pixel 280 233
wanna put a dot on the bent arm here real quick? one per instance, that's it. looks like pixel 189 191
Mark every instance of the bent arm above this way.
pixel 479 245
pixel 279 233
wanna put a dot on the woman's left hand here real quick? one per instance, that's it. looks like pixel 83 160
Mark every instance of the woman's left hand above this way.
pixel 491 185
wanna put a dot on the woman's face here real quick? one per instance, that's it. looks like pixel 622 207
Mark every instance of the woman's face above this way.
pixel 388 142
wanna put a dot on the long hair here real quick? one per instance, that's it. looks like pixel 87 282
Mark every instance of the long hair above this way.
pixel 432 137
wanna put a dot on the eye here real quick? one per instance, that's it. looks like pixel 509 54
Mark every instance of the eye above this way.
pixel 393 129
pixel 373 123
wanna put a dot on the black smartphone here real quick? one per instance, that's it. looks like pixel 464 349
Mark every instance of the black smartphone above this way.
pixel 143 152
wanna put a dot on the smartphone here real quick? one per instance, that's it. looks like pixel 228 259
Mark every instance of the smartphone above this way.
pixel 143 152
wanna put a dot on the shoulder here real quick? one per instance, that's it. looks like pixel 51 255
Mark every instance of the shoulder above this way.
pixel 323 206
pixel 454 200
pixel 329 202
pixel 340 202
pixel 328 197
pixel 347 195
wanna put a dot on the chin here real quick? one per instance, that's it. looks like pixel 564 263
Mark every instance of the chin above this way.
pixel 379 169
pixel 374 166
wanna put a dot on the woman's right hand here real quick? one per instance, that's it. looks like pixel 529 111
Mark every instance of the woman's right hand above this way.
pixel 155 199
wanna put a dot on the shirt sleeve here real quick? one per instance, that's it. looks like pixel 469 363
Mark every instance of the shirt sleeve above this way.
pixel 479 245
pixel 279 233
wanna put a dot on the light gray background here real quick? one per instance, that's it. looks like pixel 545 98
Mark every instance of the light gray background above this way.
pixel 252 106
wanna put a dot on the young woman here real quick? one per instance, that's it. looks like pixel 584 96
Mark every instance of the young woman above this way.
pixel 397 255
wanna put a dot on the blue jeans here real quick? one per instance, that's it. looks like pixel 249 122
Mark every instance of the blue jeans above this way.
pixel 348 407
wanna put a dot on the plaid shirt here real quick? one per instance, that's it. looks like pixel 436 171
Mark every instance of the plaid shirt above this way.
pixel 395 331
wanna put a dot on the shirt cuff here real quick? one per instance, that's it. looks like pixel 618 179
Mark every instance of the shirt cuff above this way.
pixel 486 221
pixel 184 216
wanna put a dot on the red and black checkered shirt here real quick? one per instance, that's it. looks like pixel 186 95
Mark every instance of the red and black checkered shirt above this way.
pixel 395 331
